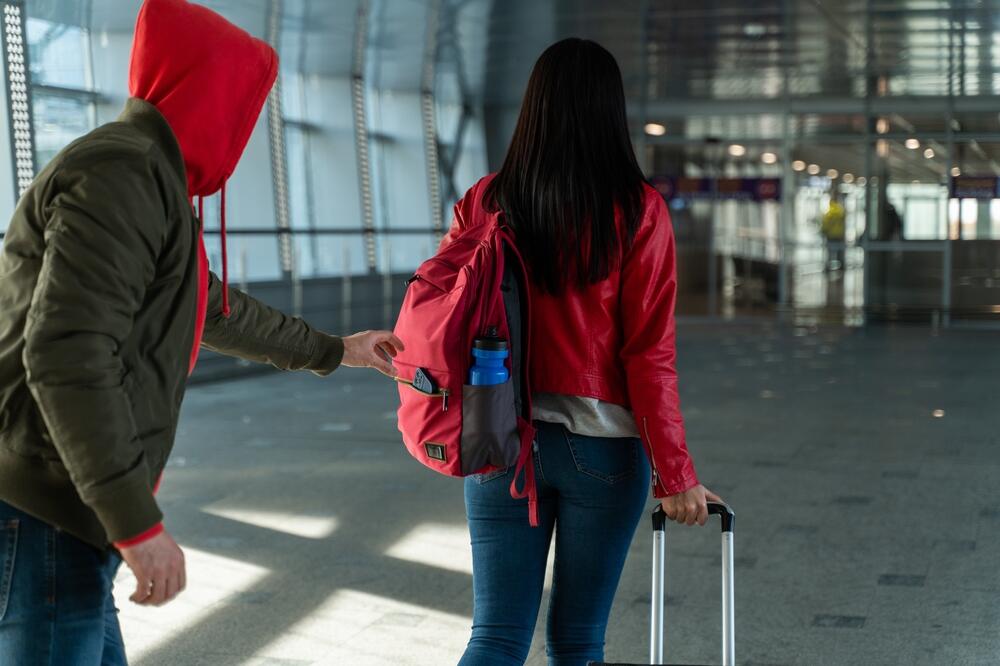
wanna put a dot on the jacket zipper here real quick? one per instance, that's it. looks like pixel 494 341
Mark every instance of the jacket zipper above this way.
pixel 652 459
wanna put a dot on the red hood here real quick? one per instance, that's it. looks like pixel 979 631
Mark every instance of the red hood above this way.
pixel 208 78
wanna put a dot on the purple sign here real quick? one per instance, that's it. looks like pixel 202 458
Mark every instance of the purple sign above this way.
pixel 728 189
pixel 974 187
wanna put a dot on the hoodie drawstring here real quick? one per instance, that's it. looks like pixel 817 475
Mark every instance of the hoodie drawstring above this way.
pixel 225 256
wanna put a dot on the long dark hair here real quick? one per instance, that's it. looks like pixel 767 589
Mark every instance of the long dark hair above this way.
pixel 569 167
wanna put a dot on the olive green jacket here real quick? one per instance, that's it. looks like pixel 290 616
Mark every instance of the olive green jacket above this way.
pixel 98 292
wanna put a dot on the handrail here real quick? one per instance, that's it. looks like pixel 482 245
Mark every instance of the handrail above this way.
pixel 243 231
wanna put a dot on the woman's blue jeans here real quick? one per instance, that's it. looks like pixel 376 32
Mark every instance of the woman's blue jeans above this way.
pixel 591 492
pixel 56 607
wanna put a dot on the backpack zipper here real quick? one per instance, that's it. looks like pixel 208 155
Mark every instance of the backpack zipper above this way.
pixel 441 393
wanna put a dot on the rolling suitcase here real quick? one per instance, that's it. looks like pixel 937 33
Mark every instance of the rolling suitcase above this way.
pixel 659 587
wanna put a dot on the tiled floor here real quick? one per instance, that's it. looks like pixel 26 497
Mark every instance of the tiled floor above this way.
pixel 863 466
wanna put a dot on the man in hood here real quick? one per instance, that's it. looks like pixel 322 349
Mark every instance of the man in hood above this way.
pixel 105 298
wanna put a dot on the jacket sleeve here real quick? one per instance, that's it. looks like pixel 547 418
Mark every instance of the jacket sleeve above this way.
pixel 103 233
pixel 257 332
pixel 648 296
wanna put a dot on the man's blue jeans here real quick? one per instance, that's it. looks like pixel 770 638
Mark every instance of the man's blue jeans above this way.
pixel 56 606
pixel 591 492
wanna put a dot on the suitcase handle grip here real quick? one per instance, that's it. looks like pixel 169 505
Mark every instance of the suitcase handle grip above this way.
pixel 714 509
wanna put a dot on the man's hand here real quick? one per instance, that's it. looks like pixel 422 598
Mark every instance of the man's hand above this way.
pixel 691 506
pixel 158 565
pixel 372 349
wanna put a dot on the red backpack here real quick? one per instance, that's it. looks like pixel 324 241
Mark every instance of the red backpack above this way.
pixel 475 287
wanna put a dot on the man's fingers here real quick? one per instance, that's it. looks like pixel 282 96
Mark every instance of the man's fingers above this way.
pixel 388 349
pixel 388 339
pixel 712 497
pixel 141 590
pixel 169 590
pixel 394 341
pixel 384 367
pixel 159 592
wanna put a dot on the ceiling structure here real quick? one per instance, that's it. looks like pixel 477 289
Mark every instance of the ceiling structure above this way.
pixel 720 70
pixel 713 50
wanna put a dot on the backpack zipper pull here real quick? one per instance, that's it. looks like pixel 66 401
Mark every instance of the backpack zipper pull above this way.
pixel 444 400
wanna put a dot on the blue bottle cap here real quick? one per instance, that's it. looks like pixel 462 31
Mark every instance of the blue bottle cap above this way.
pixel 490 344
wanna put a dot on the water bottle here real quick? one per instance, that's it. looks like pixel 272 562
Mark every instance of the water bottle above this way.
pixel 489 355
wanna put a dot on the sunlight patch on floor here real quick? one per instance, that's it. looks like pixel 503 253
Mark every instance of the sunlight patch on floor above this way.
pixel 308 527
pixel 436 545
pixel 212 581
pixel 445 546
pixel 361 629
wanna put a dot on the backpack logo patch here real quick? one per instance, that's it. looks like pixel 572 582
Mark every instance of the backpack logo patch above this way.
pixel 434 451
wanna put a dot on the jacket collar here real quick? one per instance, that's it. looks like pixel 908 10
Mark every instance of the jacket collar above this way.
pixel 148 120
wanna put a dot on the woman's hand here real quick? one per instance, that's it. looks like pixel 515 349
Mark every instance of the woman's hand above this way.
pixel 691 506
pixel 372 349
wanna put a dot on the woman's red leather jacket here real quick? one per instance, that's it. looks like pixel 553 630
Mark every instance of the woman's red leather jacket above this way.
pixel 615 340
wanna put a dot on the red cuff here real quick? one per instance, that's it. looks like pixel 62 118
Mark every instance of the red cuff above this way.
pixel 140 538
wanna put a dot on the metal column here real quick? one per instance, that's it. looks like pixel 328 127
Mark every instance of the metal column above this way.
pixel 642 144
pixel 19 110
pixel 429 117
pixel 786 218
pixel 279 153
pixel 361 142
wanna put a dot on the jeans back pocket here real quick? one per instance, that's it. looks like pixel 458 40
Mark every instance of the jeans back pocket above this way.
pixel 8 550
pixel 608 459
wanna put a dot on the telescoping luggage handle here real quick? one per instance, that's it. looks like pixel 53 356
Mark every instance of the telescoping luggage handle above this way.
pixel 659 588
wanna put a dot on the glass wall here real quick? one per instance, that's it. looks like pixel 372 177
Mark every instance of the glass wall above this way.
pixel 865 221
pixel 809 154
pixel 78 58
pixel 61 84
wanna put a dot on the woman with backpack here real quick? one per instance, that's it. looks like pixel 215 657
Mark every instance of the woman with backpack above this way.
pixel 600 254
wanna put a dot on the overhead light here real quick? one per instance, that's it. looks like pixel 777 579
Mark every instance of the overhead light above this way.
pixel 912 144
pixel 768 158
pixel 862 180
pixel 655 129
pixel 848 178
pixel 914 182
pixel 882 125
pixel 956 172
pixel 813 169
pixel 799 165
pixel 832 174
pixel 754 30
pixel 929 153
pixel 736 150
